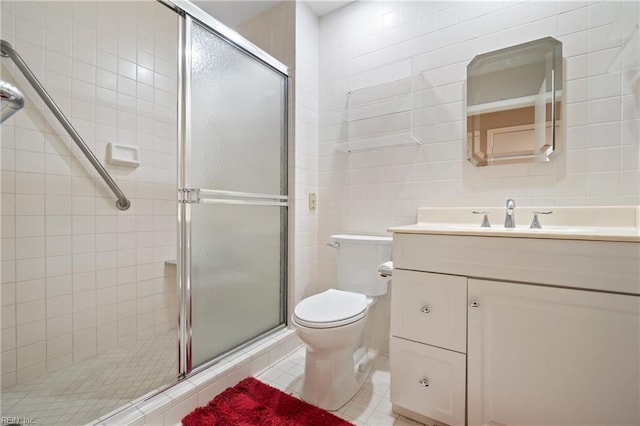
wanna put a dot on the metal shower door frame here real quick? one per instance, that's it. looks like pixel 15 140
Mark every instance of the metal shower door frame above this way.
pixel 188 195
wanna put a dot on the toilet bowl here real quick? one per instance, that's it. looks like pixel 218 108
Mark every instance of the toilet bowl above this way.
pixel 332 323
pixel 334 367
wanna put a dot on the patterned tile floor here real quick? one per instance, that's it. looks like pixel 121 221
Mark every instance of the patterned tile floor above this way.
pixel 369 407
pixel 91 388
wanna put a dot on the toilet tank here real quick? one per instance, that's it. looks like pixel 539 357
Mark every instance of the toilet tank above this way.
pixel 357 259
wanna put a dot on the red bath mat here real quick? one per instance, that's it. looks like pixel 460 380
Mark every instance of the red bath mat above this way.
pixel 252 402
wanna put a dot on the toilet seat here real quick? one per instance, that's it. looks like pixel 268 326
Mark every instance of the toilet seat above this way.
pixel 332 308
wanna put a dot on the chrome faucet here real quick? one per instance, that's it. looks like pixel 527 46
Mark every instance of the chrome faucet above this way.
pixel 510 218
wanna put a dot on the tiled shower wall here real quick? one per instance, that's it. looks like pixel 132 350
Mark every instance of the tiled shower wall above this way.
pixel 79 276
pixel 369 43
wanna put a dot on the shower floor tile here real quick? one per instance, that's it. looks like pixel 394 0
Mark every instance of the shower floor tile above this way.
pixel 369 407
pixel 93 387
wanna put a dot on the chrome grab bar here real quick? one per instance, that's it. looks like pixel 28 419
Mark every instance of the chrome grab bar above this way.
pixel 7 50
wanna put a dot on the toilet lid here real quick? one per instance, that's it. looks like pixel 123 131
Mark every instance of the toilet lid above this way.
pixel 332 308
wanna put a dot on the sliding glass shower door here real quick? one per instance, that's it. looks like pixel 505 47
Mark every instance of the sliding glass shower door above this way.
pixel 233 196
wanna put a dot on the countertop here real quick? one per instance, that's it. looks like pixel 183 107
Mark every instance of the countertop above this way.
pixel 623 234
pixel 613 223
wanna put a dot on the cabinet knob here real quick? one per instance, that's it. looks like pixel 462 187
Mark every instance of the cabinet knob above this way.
pixel 474 304
pixel 424 382
pixel 425 309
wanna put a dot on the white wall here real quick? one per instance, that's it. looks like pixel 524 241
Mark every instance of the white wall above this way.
pixel 289 32
pixel 78 275
pixel 368 191
pixel 306 152
pixel 273 31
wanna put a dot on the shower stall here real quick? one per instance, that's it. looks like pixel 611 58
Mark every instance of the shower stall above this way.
pixel 102 305
pixel 232 186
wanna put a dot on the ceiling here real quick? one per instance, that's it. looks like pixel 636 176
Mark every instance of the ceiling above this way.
pixel 234 12
pixel 321 8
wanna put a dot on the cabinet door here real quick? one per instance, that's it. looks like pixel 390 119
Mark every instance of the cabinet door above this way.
pixel 549 356
pixel 430 308
pixel 427 380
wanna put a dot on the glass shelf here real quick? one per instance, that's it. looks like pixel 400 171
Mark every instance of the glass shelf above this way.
pixel 381 116
pixel 377 142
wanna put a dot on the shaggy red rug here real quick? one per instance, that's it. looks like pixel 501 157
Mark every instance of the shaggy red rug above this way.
pixel 252 402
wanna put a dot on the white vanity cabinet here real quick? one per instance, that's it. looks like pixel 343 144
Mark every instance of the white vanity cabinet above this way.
pixel 509 341
pixel 428 344
pixel 551 356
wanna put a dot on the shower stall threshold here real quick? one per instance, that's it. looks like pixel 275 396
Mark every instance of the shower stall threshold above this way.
pixel 168 406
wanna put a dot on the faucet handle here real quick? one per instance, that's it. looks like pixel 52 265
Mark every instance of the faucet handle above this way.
pixel 535 224
pixel 485 220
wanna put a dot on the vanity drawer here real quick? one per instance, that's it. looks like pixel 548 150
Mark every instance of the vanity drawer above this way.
pixel 428 381
pixel 430 308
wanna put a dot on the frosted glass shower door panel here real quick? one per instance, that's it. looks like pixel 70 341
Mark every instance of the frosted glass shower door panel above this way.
pixel 237 111
pixel 236 275
pixel 234 186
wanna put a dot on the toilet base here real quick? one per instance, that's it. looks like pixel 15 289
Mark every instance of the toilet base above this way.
pixel 332 378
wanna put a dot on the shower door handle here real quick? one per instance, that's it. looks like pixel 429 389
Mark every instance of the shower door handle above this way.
pixel 215 196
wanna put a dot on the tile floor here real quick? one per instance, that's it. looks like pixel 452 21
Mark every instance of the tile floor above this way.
pixel 87 390
pixel 370 406
pixel 91 388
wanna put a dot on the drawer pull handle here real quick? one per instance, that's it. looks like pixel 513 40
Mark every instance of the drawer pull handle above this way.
pixel 425 310
pixel 424 382
pixel 474 304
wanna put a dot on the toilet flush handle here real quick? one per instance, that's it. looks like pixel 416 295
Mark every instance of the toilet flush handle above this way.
pixel 335 245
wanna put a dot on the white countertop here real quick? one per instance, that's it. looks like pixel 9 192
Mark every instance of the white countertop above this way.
pixel 565 223
pixel 558 233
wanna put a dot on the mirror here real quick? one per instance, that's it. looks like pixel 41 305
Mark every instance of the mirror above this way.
pixel 514 100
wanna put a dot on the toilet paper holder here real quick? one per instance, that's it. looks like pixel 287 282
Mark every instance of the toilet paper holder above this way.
pixel 385 269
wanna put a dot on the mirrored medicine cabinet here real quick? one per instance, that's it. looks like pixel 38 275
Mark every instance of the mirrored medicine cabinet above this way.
pixel 514 104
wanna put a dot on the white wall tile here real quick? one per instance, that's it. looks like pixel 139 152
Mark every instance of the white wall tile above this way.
pixel 58 286
pixel 8 318
pixel 31 290
pixel 58 225
pixel 29 248
pixel 603 135
pixel 29 183
pixel 31 355
pixel 58 219
pixel 604 110
pixel 605 86
pixel 60 325
pixel 29 312
pixel 575 44
pixel 59 346
pixel 31 333
pixel 573 21
pixel 30 269
pixel 599 38
pixel 30 162
pixel 596 112
pixel 9 362
pixel 59 265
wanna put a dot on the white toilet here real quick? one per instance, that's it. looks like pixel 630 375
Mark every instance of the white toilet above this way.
pixel 332 323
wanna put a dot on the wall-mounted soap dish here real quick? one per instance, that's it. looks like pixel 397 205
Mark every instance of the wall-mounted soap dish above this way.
pixel 123 155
